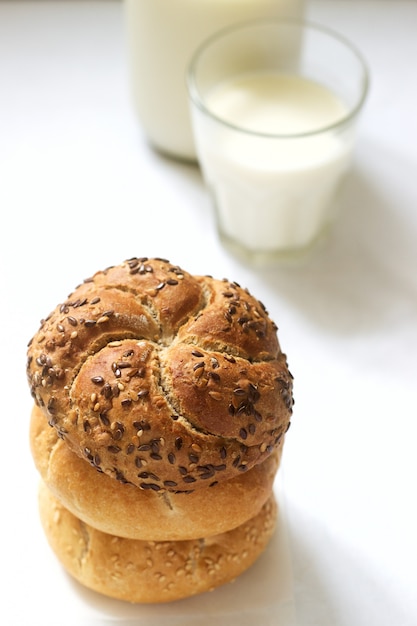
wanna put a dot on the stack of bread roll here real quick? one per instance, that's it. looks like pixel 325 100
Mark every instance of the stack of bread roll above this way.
pixel 161 403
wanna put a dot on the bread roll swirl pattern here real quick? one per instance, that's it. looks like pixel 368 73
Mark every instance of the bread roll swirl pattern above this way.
pixel 162 379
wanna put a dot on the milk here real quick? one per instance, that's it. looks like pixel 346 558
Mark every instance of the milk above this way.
pixel 162 37
pixel 273 184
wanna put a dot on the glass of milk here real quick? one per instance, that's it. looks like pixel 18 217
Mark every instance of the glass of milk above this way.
pixel 274 107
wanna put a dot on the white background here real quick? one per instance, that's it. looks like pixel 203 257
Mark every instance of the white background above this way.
pixel 80 189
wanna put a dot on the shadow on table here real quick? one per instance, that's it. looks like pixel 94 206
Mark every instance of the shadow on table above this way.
pixel 363 274
pixel 305 578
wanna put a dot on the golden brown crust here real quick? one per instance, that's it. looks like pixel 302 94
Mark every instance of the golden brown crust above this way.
pixel 162 379
pixel 126 511
pixel 142 571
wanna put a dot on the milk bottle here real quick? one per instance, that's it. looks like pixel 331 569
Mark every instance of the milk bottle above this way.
pixel 162 37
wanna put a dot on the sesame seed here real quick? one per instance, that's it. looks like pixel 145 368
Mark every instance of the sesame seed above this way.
pixel 216 395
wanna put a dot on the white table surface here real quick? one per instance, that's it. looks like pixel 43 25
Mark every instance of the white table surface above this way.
pixel 80 189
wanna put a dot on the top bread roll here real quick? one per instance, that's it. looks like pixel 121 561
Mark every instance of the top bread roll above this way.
pixel 162 379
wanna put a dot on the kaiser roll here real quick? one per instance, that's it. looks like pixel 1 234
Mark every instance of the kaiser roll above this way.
pixel 151 571
pixel 164 380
